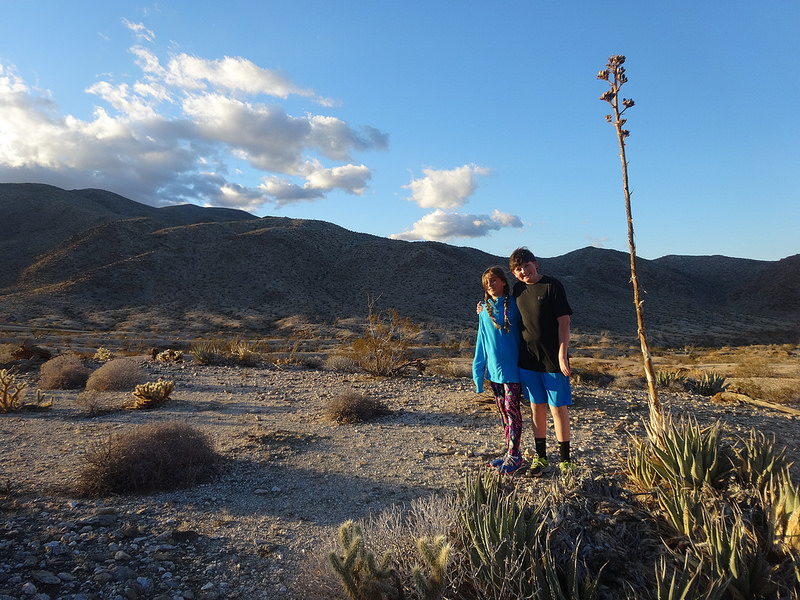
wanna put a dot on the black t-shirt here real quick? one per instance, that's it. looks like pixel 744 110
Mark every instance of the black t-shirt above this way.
pixel 540 305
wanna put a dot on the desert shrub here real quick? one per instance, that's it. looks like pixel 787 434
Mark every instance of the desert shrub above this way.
pixel 779 394
pixel 152 394
pixel 118 374
pixel 449 368
pixel 96 403
pixel 244 354
pixel 385 347
pixel 630 382
pixel 149 458
pixel 592 375
pixel 754 367
pixel 7 353
pixel 63 372
pixel 354 407
pixel 341 361
pixel 207 353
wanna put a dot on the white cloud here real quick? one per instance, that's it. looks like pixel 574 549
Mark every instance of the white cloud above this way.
pixel 445 189
pixel 441 226
pixel 180 132
pixel 140 30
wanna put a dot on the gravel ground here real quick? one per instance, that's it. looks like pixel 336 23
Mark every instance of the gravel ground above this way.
pixel 291 476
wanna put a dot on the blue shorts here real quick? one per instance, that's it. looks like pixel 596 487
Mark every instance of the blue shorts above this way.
pixel 550 388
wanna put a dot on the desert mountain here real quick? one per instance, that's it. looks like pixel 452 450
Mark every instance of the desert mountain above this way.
pixel 91 259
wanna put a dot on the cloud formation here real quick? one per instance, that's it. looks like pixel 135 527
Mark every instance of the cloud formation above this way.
pixel 445 190
pixel 184 131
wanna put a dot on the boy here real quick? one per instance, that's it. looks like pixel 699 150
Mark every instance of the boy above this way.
pixel 543 359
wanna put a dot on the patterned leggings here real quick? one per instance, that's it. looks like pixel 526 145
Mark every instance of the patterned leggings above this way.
pixel 507 397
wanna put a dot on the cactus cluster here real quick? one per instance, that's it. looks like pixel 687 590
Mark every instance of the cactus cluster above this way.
pixel 152 394
pixel 363 577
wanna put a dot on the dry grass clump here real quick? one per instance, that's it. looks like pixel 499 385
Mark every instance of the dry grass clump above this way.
pixel 96 404
pixel 354 407
pixel 341 361
pixel 119 374
pixel 448 367
pixel 64 372
pixel 149 458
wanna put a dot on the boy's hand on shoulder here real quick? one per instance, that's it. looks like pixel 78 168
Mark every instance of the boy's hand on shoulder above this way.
pixel 479 308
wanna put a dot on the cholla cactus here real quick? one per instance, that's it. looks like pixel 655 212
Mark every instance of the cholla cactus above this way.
pixel 103 354
pixel 152 394
pixel 10 391
pixel 170 355
pixel 362 577
pixel 436 554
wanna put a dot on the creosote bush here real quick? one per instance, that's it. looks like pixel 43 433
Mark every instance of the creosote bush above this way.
pixel 385 347
pixel 150 458
pixel 353 407
pixel 119 374
pixel 63 372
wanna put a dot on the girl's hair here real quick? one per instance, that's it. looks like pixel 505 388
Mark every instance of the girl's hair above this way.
pixel 487 300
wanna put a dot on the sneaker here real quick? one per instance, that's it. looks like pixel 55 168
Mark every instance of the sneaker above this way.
pixel 538 465
pixel 566 466
pixel 510 464
pixel 496 462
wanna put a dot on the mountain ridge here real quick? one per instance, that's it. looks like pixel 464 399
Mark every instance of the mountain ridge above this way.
pixel 98 260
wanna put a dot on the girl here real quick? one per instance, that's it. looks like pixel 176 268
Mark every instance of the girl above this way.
pixel 496 357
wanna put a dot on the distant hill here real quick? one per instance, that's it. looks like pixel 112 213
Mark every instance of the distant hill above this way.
pixel 93 259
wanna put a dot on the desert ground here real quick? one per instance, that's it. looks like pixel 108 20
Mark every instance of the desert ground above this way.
pixel 290 475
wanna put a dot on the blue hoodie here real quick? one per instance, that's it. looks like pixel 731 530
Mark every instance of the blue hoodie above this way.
pixel 497 351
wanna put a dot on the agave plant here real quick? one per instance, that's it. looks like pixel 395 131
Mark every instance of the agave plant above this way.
pixel 732 552
pixel 710 384
pixel 686 583
pixel 759 460
pixel 782 499
pixel 497 531
pixel 684 454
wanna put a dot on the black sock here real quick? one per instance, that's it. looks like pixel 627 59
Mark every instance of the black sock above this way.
pixel 541 447
pixel 563 451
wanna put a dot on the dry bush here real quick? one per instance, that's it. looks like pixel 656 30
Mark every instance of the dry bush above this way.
pixel 341 361
pixel 354 407
pixel 96 404
pixel 64 372
pixel 447 367
pixel 754 367
pixel 149 458
pixel 119 374
pixel 7 353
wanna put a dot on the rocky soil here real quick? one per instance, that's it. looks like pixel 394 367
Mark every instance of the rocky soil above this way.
pixel 291 476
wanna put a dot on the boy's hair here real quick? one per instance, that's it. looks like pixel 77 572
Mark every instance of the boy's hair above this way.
pixel 519 257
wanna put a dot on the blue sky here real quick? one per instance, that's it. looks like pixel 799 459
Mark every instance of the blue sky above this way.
pixel 473 123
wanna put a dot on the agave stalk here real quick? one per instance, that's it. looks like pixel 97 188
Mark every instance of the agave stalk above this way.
pixel 614 74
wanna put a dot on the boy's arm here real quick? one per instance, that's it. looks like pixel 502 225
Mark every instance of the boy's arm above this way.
pixel 563 344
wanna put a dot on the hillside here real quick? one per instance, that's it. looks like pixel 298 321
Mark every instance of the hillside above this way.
pixel 93 259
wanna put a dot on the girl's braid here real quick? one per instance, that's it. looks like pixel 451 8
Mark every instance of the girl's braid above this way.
pixel 489 309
